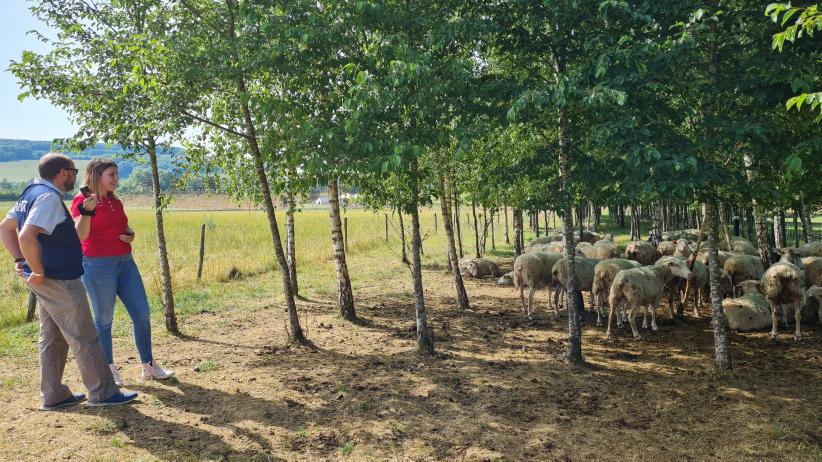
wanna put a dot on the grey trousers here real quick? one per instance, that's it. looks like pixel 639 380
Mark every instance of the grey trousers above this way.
pixel 65 321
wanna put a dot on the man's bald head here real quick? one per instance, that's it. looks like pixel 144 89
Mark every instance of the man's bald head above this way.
pixel 52 163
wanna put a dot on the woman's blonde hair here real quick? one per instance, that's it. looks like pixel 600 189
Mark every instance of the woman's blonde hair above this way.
pixel 94 171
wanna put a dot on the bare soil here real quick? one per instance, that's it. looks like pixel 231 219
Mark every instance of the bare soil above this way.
pixel 498 389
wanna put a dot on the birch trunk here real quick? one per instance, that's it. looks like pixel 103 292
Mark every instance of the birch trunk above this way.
pixel 476 229
pixel 290 244
pixel 162 247
pixel 295 331
pixel 722 354
pixel 453 260
pixel 425 341
pixel 345 293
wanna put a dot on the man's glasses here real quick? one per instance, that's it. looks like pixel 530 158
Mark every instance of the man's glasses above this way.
pixel 75 170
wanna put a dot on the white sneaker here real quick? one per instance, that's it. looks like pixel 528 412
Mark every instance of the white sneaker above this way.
pixel 118 380
pixel 153 371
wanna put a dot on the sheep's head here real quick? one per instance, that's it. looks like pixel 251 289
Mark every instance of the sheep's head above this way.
pixel 751 286
pixel 676 266
pixel 683 246
pixel 473 269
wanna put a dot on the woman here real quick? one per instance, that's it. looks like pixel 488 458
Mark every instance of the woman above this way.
pixel 109 268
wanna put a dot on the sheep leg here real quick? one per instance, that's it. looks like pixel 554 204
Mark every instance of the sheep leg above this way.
pixel 644 317
pixel 797 314
pixel 610 321
pixel 671 304
pixel 530 301
pixel 697 301
pixel 599 309
pixel 632 320
pixel 774 321
pixel 522 298
pixel 591 297
pixel 784 309
pixel 653 315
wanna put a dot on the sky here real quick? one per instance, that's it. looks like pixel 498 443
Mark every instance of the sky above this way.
pixel 31 119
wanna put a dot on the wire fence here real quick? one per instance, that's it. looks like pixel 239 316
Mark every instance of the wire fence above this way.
pixel 794 233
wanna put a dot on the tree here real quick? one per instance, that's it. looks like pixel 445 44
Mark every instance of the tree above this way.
pixel 231 72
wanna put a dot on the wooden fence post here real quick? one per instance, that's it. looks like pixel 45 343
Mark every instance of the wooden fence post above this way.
pixel 202 252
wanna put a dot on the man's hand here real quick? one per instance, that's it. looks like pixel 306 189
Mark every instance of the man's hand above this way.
pixel 90 203
pixel 36 279
pixel 18 268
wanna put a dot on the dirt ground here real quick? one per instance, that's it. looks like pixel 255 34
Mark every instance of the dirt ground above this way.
pixel 497 390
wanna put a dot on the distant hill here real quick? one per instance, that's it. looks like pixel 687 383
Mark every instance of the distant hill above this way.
pixel 11 150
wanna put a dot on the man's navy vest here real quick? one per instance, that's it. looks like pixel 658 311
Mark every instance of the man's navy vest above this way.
pixel 60 251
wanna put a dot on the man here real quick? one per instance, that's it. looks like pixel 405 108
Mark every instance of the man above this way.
pixel 39 233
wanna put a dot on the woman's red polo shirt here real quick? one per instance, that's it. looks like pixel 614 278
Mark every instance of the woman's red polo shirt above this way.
pixel 107 225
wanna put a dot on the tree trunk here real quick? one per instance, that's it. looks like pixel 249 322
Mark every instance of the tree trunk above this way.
pixel 162 248
pixel 724 226
pixel 476 229
pixel 295 331
pixel 722 354
pixel 345 293
pixel 760 223
pixel 457 222
pixel 749 224
pixel 505 211
pixel 493 237
pixel 517 218
pixel 425 341
pixel 779 229
pixel 453 260
pixel 290 244
pixel 805 216
pixel 485 223
pixel 402 238
pixel 574 355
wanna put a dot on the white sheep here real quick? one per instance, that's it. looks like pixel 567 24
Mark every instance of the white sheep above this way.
pixel 784 283
pixel 749 311
pixel 604 273
pixel 814 297
pixel 722 256
pixel 477 267
pixel 533 270
pixel 813 249
pixel 743 268
pixel 644 287
pixel 641 251
pixel 666 248
pixel 813 271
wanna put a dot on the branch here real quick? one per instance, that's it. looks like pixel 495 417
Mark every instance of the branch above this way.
pixel 216 125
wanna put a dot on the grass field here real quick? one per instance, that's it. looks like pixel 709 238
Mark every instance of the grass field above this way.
pixel 25 170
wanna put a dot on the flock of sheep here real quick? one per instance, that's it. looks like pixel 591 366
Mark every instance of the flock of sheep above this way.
pixel 754 297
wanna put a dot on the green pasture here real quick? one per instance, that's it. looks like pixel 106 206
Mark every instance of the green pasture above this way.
pixel 25 170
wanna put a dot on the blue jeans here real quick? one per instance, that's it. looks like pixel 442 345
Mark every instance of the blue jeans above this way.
pixel 106 278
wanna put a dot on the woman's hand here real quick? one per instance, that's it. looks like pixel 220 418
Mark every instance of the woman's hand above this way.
pixel 90 202
pixel 127 236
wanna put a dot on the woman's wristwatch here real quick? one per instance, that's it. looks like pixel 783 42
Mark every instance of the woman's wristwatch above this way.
pixel 83 211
